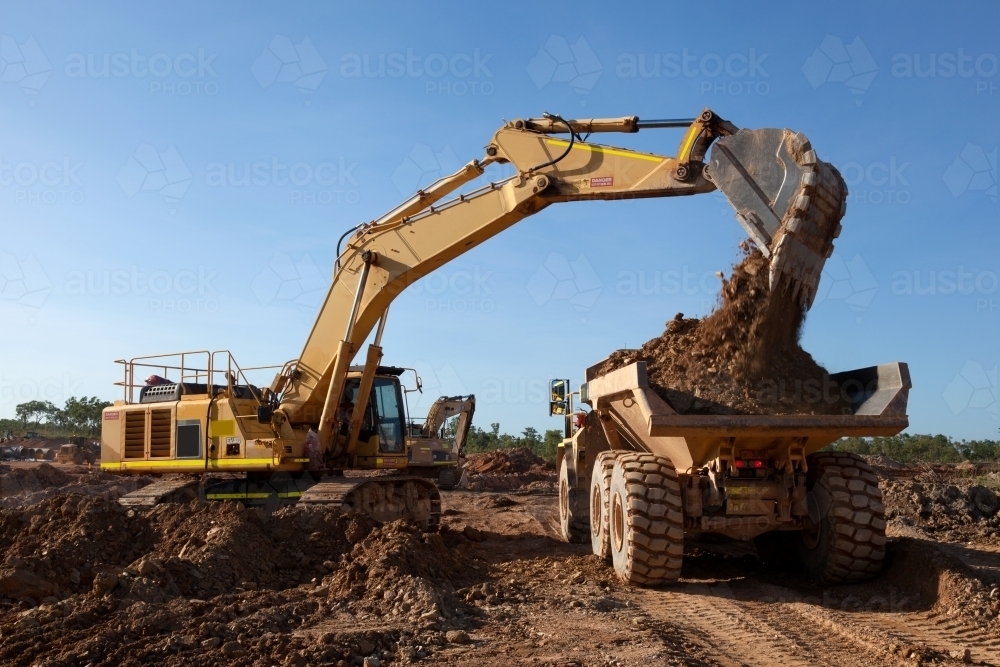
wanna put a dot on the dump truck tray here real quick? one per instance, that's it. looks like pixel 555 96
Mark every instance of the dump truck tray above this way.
pixel 878 397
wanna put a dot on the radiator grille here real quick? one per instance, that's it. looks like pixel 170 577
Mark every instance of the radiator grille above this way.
pixel 135 434
pixel 159 433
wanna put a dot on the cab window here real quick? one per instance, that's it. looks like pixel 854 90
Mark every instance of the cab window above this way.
pixel 390 415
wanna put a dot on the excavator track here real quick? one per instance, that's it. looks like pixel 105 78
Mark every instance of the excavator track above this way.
pixel 386 498
pixel 183 489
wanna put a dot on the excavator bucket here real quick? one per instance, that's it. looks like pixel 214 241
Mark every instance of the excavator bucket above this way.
pixel 788 201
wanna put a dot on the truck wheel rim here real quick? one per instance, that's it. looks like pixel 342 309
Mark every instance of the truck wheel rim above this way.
pixel 596 505
pixel 618 522
pixel 811 534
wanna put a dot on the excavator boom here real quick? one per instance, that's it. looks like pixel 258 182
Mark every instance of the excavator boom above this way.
pixel 782 194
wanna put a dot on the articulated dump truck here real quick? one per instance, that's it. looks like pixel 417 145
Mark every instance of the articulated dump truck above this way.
pixel 636 477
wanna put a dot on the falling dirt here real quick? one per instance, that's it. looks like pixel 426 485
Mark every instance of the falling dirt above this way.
pixel 744 358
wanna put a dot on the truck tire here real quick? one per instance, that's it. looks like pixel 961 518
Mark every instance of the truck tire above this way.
pixel 646 519
pixel 845 537
pixel 600 494
pixel 573 520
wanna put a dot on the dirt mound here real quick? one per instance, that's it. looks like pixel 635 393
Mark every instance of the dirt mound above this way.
pixel 950 510
pixel 519 460
pixel 23 487
pixel 104 576
pixel 744 358
pixel 39 477
pixel 397 571
pixel 508 470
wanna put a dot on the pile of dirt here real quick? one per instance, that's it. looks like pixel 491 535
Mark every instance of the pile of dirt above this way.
pixel 949 510
pixel 26 486
pixel 399 572
pixel 744 358
pixel 508 470
pixel 83 576
pixel 38 477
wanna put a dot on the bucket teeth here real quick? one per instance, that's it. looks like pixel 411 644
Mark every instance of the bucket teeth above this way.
pixel 798 266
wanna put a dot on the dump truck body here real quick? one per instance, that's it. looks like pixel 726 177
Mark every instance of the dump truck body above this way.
pixel 741 476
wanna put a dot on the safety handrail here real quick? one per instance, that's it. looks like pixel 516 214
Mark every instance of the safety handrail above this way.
pixel 193 367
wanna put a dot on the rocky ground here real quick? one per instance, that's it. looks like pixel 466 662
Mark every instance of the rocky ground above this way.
pixel 85 581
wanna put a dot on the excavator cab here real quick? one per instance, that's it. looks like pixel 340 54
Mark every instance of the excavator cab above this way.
pixel 381 442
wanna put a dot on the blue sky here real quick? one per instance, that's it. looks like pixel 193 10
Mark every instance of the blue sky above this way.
pixel 130 225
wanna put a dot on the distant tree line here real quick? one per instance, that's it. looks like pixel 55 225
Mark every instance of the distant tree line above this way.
pixel 907 448
pixel 79 416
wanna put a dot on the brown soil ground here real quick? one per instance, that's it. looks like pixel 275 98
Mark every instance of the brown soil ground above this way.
pixel 744 358
pixel 88 582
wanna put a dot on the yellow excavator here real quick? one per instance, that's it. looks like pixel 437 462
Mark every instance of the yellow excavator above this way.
pixel 321 416
pixel 434 448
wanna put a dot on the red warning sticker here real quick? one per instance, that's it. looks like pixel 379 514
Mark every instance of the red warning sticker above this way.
pixel 111 415
pixel 602 181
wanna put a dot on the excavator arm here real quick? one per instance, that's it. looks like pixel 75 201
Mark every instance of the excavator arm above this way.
pixel 771 177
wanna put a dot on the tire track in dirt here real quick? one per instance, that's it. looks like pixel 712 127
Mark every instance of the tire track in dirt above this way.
pixel 714 618
pixel 942 633
pixel 879 631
